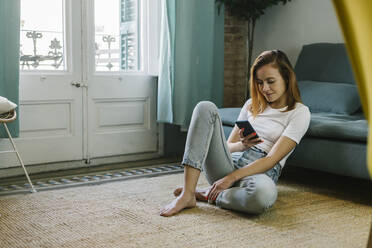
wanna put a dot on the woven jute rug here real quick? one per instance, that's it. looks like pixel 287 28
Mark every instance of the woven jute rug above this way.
pixel 126 214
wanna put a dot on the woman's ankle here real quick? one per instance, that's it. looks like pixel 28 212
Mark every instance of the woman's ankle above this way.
pixel 188 193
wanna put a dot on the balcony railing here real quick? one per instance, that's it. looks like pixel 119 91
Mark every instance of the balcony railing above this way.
pixel 107 52
pixel 34 52
pixel 42 50
pixel 115 53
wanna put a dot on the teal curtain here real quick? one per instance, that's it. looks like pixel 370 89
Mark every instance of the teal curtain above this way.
pixel 9 57
pixel 191 58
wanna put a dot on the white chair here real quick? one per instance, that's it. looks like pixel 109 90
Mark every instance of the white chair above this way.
pixel 6 118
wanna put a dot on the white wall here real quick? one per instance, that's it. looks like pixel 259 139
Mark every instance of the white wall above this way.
pixel 288 27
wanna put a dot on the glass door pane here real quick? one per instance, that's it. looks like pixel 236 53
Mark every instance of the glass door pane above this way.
pixel 117 35
pixel 42 35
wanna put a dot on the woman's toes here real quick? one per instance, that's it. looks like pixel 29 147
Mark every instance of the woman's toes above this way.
pixel 177 205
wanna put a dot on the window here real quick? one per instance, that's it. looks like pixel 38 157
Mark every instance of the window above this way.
pixel 42 35
pixel 117 35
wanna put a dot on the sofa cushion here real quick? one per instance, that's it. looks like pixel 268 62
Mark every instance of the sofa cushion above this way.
pixel 336 98
pixel 229 115
pixel 342 127
pixel 326 62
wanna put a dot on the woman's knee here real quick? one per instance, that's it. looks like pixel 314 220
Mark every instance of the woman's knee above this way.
pixel 205 106
pixel 262 195
pixel 266 192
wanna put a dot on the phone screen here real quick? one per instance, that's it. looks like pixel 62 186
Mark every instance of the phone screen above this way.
pixel 248 129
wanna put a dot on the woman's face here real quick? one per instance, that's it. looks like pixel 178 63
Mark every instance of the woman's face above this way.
pixel 272 86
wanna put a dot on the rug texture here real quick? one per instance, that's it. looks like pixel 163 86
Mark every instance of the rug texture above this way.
pixel 126 214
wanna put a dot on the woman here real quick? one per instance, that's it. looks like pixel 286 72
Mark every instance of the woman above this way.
pixel 244 170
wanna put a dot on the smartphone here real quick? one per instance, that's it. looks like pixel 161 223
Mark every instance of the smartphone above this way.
pixel 248 129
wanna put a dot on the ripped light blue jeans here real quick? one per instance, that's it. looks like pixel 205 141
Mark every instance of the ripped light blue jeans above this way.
pixel 206 150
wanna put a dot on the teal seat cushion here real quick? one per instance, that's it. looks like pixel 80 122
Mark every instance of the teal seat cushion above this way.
pixel 340 127
pixel 336 98
pixel 343 158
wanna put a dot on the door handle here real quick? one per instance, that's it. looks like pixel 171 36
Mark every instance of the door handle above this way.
pixel 78 85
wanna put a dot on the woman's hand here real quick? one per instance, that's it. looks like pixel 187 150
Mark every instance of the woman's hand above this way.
pixel 218 186
pixel 248 141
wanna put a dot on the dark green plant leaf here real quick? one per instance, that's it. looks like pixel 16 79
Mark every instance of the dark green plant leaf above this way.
pixel 248 10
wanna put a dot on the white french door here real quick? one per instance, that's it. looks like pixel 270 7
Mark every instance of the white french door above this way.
pixel 121 115
pixel 85 97
pixel 50 109
pixel 121 96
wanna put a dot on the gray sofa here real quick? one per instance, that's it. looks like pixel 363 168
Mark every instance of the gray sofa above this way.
pixel 336 140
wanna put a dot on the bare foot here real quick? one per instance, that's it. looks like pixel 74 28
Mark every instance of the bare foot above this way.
pixel 181 202
pixel 200 194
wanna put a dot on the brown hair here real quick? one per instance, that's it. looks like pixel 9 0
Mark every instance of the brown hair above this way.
pixel 279 60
